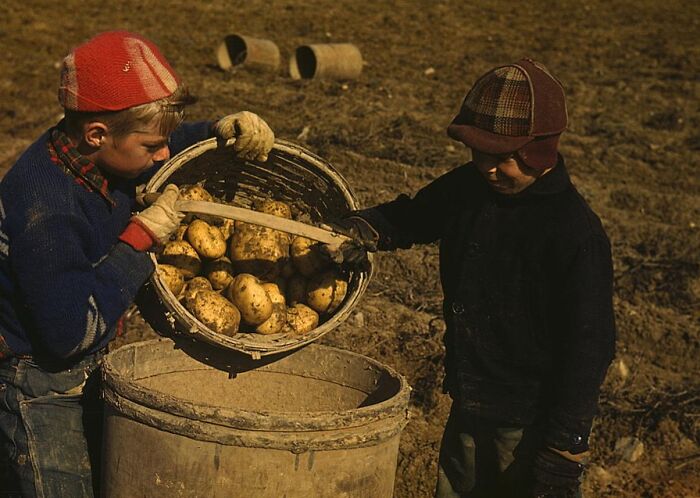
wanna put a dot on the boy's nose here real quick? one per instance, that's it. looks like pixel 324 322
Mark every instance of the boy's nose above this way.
pixel 163 154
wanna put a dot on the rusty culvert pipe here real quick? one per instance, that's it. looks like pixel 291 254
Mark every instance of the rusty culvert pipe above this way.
pixel 199 421
pixel 341 61
pixel 236 50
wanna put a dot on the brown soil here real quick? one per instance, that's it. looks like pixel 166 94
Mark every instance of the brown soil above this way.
pixel 630 70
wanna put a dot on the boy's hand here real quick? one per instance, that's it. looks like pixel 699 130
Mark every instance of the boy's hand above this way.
pixel 353 252
pixel 161 219
pixel 557 475
pixel 253 137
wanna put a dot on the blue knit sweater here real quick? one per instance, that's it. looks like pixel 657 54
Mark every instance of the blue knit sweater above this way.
pixel 65 278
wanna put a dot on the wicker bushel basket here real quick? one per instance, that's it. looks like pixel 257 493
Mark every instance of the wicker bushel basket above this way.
pixel 311 186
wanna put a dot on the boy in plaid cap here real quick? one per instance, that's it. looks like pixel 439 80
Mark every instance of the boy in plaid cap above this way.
pixel 72 255
pixel 526 273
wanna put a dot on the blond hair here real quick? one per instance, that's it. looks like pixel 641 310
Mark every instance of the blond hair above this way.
pixel 168 112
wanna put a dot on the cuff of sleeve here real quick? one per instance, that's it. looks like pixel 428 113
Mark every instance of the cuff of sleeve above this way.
pixel 138 236
pixel 379 228
pixel 571 437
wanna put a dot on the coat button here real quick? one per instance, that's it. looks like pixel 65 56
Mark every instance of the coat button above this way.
pixel 457 308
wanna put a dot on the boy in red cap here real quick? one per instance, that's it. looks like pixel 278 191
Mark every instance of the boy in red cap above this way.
pixel 72 255
pixel 526 273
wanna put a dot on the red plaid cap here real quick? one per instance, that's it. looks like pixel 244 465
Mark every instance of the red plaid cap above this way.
pixel 519 107
pixel 114 71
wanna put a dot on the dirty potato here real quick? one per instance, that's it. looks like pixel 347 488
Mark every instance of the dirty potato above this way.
pixel 326 291
pixel 180 232
pixel 206 239
pixel 282 210
pixel 216 312
pixel 219 272
pixel 300 319
pixel 278 318
pixel 250 297
pixel 307 257
pixel 275 208
pixel 226 227
pixel 256 251
pixel 172 278
pixel 182 255
pixel 195 193
pixel 192 287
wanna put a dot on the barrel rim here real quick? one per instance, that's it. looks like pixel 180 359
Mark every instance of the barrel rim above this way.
pixel 395 405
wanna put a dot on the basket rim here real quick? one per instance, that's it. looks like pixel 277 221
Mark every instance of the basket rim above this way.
pixel 242 342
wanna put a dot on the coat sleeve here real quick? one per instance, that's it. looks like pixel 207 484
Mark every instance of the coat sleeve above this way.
pixel 586 345
pixel 71 305
pixel 421 219
pixel 188 134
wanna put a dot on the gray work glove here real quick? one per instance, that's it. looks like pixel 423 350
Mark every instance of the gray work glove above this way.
pixel 161 219
pixel 253 137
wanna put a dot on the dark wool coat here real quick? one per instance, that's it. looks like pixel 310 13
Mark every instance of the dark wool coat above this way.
pixel 527 282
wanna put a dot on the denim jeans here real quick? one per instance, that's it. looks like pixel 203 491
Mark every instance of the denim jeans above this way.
pixel 484 459
pixel 50 429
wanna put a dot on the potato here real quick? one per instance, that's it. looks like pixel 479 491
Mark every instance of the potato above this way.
pixel 275 208
pixel 216 312
pixel 256 251
pixel 300 319
pixel 274 293
pixel 278 318
pixel 281 209
pixel 206 239
pixel 182 255
pixel 198 193
pixel 296 289
pixel 192 287
pixel 325 291
pixel 275 323
pixel 307 257
pixel 172 278
pixel 180 232
pixel 260 232
pixel 219 272
pixel 226 227
pixel 250 297
pixel 195 193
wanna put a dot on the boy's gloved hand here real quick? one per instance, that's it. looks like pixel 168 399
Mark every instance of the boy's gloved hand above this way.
pixel 557 476
pixel 254 138
pixel 364 239
pixel 161 219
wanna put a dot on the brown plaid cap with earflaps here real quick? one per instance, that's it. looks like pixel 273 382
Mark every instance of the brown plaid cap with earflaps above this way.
pixel 519 108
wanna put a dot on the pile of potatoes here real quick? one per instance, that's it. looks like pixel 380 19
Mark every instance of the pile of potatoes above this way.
pixel 238 277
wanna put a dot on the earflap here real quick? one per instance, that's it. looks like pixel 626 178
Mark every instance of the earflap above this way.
pixel 540 153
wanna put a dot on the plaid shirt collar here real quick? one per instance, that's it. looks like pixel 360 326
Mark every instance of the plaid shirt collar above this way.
pixel 64 154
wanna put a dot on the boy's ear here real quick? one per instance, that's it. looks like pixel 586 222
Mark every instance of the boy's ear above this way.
pixel 94 133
